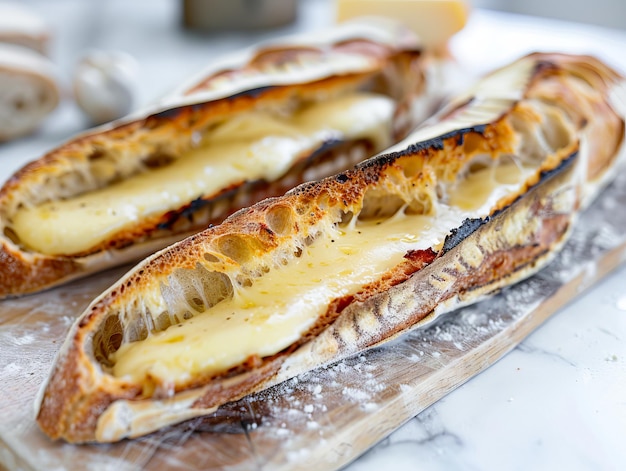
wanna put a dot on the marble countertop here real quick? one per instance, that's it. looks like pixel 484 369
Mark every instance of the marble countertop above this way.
pixel 557 400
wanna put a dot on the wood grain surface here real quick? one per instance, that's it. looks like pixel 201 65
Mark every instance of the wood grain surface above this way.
pixel 323 419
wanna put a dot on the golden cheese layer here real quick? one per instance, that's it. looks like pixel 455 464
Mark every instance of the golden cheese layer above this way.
pixel 250 147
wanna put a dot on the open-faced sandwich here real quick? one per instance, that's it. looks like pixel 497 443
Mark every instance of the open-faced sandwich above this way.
pixel 482 196
pixel 252 125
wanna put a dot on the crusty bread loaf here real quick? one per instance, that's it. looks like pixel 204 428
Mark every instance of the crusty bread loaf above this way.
pixel 482 196
pixel 29 91
pixel 23 26
pixel 251 95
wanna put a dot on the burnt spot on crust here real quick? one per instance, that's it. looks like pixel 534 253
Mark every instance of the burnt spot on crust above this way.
pixel 434 144
pixel 169 114
pixel 563 164
pixel 254 93
pixel 191 210
pixel 379 162
pixel 192 207
pixel 458 234
pixel 437 143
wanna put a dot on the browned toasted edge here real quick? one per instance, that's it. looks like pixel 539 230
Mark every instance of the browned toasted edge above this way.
pixel 79 391
pixel 169 131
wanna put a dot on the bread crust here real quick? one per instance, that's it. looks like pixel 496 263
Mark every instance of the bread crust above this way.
pixel 526 115
pixel 379 57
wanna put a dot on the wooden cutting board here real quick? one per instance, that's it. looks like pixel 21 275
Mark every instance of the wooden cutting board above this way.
pixel 321 420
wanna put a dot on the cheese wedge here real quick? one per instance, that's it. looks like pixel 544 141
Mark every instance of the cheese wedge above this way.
pixel 482 196
pixel 434 21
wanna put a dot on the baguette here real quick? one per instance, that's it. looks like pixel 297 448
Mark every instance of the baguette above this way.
pixel 22 26
pixel 482 196
pixel 29 90
pixel 252 125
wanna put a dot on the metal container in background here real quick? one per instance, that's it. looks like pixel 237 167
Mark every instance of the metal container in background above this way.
pixel 221 15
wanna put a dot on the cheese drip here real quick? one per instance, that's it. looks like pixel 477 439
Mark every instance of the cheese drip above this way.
pixel 253 146
pixel 280 306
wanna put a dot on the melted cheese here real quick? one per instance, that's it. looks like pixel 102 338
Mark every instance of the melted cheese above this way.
pixel 249 147
pixel 280 306
pixel 488 184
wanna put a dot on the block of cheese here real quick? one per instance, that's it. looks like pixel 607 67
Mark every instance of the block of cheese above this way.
pixel 435 21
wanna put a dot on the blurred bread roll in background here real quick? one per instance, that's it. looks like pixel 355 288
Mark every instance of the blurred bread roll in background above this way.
pixel 29 88
pixel 22 26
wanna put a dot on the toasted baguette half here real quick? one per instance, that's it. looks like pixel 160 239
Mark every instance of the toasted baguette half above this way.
pixel 481 197
pixel 252 125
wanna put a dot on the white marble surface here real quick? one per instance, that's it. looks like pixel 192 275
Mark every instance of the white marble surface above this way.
pixel 555 402
pixel 558 400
